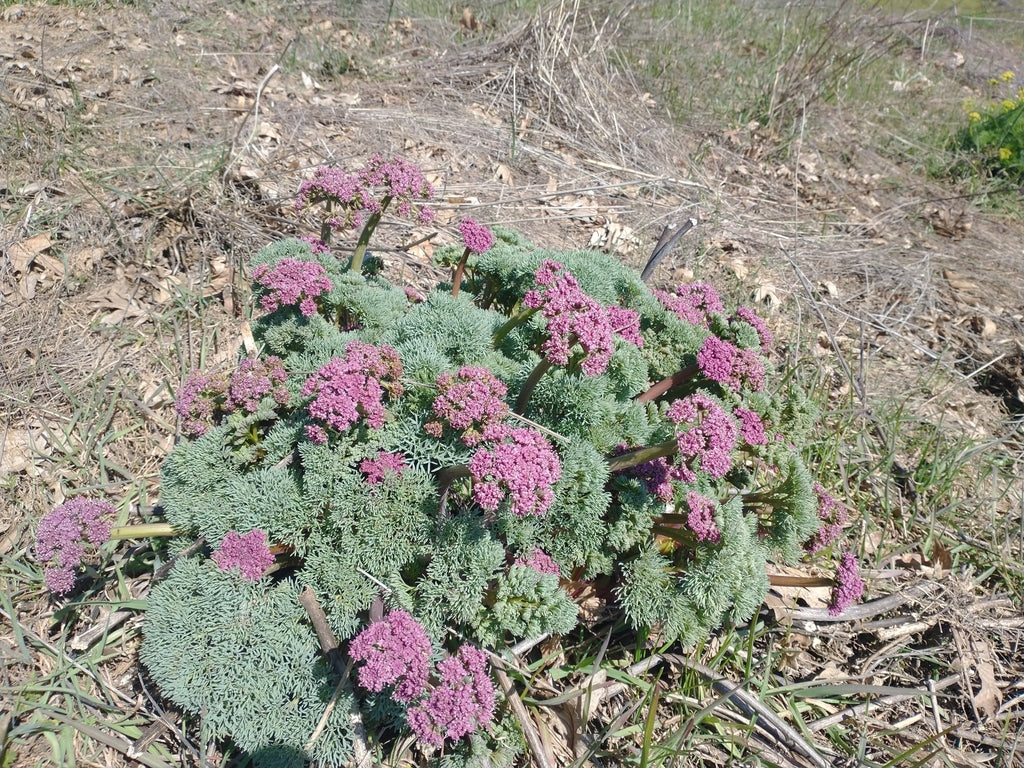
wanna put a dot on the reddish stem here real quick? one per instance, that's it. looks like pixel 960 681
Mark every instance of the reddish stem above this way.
pixel 663 386
pixel 457 280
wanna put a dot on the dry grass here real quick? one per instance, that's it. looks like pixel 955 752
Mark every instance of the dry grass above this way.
pixel 156 149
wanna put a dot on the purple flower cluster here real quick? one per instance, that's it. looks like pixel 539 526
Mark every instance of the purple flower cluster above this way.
pixel 254 380
pixel 729 365
pixel 378 469
pixel 63 535
pixel 316 245
pixel 573 318
pixel 701 517
pixel 461 702
pixel 750 317
pixel 751 427
pixel 292 281
pixel 692 302
pixel 849 586
pixel 394 651
pixel 832 517
pixel 351 387
pixel 520 463
pixel 655 474
pixel 198 400
pixel 540 561
pixel 248 552
pixel 477 238
pixel 395 180
pixel 709 439
pixel 470 401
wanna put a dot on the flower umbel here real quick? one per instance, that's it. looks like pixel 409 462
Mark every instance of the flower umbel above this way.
pixel 394 651
pixel 849 585
pixel 520 464
pixel 292 281
pixel 254 380
pixel 701 517
pixel 248 552
pixel 470 401
pixel 476 237
pixel 833 517
pixel 381 468
pixel 540 561
pixel 63 535
pixel 353 387
pixel 707 441
pixel 692 302
pixel 198 401
pixel 461 702
pixel 574 318
pixel 730 366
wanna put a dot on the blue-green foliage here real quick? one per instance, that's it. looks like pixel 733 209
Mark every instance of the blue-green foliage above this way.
pixel 416 539
pixel 526 603
pixel 464 560
pixel 243 656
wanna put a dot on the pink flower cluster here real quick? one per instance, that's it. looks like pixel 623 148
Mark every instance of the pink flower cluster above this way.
pixel 63 535
pixel 292 281
pixel 460 703
pixel 316 245
pixel 751 427
pixel 203 396
pixel 470 401
pixel 709 438
pixel 248 552
pixel 540 561
pixel 519 463
pixel 254 380
pixel 378 469
pixel 729 365
pixel 197 401
pixel 692 302
pixel 750 317
pixel 832 517
pixel 655 474
pixel 352 387
pixel 394 651
pixel 573 318
pixel 701 517
pixel 395 180
pixel 477 238
pixel 849 586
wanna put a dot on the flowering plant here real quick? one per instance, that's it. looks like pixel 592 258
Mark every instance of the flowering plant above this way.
pixel 993 138
pixel 424 480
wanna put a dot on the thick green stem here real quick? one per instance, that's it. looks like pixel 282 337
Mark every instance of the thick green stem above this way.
pixel 642 455
pixel 676 534
pixel 457 280
pixel 143 531
pixel 364 236
pixel 663 386
pixel 530 384
pixel 522 317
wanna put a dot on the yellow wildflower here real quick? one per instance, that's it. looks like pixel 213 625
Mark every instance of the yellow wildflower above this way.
pixel 974 117
pixel 1009 105
pixel 1007 76
pixel 1005 153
